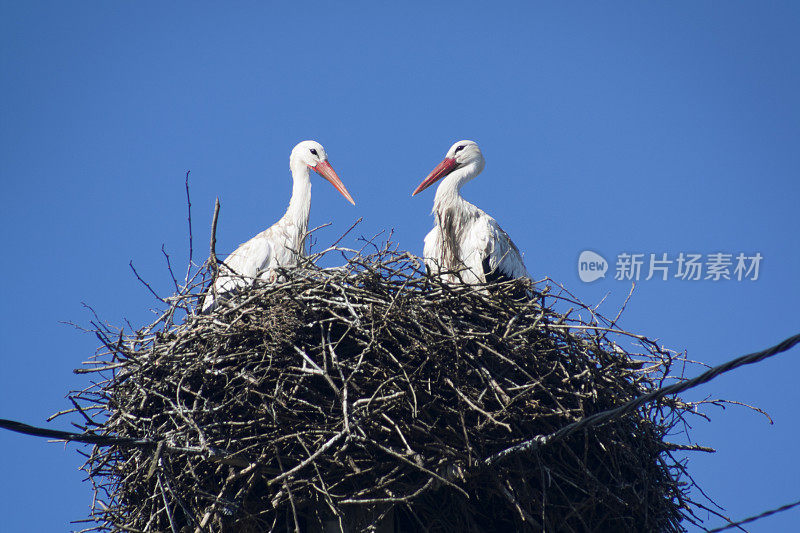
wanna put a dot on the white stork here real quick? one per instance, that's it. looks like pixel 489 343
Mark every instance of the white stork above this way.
pixel 465 240
pixel 283 243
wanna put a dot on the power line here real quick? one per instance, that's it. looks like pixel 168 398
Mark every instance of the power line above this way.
pixel 605 416
pixel 88 438
pixel 756 517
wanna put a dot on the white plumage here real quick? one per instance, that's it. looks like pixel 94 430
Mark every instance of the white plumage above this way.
pixel 466 243
pixel 283 243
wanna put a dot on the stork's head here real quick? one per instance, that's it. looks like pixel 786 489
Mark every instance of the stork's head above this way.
pixel 460 155
pixel 312 155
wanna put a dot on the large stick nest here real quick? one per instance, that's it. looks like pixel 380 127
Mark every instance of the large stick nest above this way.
pixel 372 393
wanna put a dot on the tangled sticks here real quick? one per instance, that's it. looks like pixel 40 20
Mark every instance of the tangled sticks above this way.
pixel 372 393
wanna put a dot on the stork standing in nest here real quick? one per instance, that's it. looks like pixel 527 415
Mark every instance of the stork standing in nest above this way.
pixel 466 244
pixel 283 243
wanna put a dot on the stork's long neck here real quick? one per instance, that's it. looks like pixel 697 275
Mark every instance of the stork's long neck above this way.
pixel 449 191
pixel 451 212
pixel 297 214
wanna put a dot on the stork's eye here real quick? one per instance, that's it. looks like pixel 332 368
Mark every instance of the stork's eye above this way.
pixel 314 151
pixel 459 148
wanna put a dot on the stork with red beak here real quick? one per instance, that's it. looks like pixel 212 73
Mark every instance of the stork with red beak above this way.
pixel 283 243
pixel 466 244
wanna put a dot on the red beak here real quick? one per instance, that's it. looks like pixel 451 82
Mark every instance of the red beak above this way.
pixel 443 169
pixel 325 170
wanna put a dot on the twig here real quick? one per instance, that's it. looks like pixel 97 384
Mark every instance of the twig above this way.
pixel 189 220
pixel 153 292
pixel 212 248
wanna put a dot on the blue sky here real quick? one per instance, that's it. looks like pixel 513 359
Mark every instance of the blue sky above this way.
pixel 622 127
